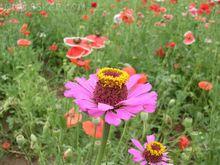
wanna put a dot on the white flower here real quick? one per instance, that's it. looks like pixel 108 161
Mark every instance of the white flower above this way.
pixel 117 19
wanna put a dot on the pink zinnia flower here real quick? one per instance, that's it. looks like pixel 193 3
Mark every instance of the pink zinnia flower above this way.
pixel 152 153
pixel 112 93
pixel 188 38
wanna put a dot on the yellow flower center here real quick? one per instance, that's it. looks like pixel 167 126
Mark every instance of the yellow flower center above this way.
pixel 155 148
pixel 111 77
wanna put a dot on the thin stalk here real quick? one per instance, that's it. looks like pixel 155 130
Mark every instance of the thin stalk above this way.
pixel 103 144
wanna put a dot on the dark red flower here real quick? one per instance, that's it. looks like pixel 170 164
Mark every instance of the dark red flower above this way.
pixel 94 4
pixel 160 52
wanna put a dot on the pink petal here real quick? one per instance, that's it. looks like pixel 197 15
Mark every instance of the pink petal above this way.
pixel 143 163
pixel 104 107
pixel 150 108
pixel 85 104
pixel 137 155
pixel 133 81
pixel 95 113
pixel 123 114
pixel 137 144
pixel 139 90
pixel 112 119
pixel 133 109
pixel 144 99
pixel 150 138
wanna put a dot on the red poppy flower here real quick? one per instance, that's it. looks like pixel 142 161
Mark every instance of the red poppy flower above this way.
pixel 170 44
pixel 43 13
pixel 78 41
pixel 127 16
pixel 81 63
pixel 204 9
pixel 77 52
pixel 144 2
pixel 72 118
pixel 6 145
pixel 160 52
pixel 188 38
pixel 205 85
pixel 53 47
pixel 51 2
pixel 94 130
pixel 97 41
pixel 173 1
pixel 183 142
pixel 28 14
pixel 11 1
pixel 24 27
pixel 13 21
pixel 93 4
pixel 168 16
pixel 24 42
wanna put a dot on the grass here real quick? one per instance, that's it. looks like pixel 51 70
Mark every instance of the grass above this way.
pixel 32 80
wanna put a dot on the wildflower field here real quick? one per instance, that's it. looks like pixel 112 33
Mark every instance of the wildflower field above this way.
pixel 109 82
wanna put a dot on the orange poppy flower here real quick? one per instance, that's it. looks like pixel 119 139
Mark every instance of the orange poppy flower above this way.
pixel 85 17
pixel 205 85
pixel 23 42
pixel 93 130
pixel 24 27
pixel 6 145
pixel 72 118
pixel 143 79
pixel 127 16
pixel 130 70
pixel 81 63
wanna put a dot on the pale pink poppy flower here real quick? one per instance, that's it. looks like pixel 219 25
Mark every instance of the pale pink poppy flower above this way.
pixel 188 38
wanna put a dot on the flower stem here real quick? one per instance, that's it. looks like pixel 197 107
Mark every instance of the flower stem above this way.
pixel 103 144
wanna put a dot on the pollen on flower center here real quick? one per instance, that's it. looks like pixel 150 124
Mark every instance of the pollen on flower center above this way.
pixel 111 77
pixel 110 88
pixel 154 152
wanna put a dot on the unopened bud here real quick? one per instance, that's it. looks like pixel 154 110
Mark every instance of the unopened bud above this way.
pixel 187 122
pixel 144 116
pixel 171 102
pixel 67 154
pixel 33 138
pixel 20 139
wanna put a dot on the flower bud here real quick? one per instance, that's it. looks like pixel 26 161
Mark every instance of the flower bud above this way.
pixel 167 119
pixel 33 138
pixel 187 122
pixel 144 116
pixel 67 154
pixel 20 139
pixel 46 128
pixel 171 102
